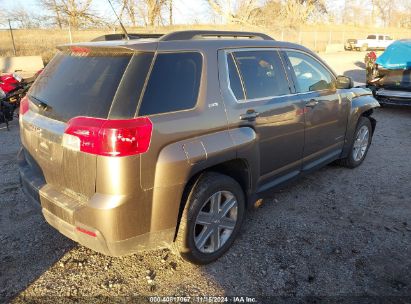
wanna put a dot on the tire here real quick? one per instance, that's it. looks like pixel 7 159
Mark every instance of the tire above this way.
pixel 211 189
pixel 364 47
pixel 353 160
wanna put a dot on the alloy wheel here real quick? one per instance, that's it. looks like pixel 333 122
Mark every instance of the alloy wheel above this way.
pixel 361 143
pixel 215 222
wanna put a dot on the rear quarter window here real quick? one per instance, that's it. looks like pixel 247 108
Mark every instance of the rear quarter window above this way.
pixel 173 84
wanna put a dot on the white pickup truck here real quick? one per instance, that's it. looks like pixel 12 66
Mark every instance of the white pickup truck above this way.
pixel 372 42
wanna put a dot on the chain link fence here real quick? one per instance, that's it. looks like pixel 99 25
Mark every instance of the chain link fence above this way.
pixel 44 41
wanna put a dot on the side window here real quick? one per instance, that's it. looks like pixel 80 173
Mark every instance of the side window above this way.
pixel 380 37
pixel 174 83
pixel 235 81
pixel 311 75
pixel 372 37
pixel 388 38
pixel 262 73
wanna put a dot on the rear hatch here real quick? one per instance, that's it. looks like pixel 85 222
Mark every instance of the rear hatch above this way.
pixel 94 84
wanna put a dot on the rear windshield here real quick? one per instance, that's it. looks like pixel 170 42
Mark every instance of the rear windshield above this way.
pixel 86 85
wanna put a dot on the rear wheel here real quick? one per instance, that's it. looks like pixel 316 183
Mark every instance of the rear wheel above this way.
pixel 211 219
pixel 360 144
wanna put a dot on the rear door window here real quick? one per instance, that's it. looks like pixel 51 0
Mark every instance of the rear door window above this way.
pixel 371 37
pixel 83 85
pixel 173 84
pixel 262 73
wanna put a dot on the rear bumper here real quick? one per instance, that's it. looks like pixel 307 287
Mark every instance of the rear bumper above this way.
pixel 60 211
pixel 100 244
pixel 394 97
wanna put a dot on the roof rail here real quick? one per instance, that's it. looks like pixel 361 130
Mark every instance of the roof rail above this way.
pixel 121 36
pixel 193 35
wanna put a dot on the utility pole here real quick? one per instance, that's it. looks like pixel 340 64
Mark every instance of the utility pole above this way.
pixel 12 38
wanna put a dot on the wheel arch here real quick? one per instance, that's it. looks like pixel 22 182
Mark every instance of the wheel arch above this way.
pixel 238 169
pixel 361 106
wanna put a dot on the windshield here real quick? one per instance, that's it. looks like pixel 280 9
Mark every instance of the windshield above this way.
pixel 79 85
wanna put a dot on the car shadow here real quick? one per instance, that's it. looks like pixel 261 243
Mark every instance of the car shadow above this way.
pixel 360 64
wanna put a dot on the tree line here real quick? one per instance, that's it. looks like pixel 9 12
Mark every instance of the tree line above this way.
pixel 79 14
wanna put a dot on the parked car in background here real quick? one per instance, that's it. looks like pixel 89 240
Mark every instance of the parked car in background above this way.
pixel 130 145
pixel 389 75
pixel 372 42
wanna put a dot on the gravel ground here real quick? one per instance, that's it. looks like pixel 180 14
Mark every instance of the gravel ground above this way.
pixel 336 232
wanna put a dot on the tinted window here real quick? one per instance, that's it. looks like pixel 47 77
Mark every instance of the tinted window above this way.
pixel 311 75
pixel 127 96
pixel 174 83
pixel 235 81
pixel 79 85
pixel 371 37
pixel 262 73
pixel 381 37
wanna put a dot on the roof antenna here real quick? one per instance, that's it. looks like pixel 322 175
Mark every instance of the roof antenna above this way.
pixel 121 24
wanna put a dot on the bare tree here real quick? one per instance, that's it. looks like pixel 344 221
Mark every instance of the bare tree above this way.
pixel 148 12
pixel 55 9
pixel 129 8
pixel 170 12
pixel 282 12
pixel 154 8
pixel 75 13
pixel 384 9
pixel 79 13
pixel 23 18
pixel 240 11
pixel 3 19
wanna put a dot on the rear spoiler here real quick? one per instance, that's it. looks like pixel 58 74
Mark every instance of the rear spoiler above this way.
pixel 111 37
pixel 90 50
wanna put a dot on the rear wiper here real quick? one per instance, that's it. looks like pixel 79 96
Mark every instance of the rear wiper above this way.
pixel 39 103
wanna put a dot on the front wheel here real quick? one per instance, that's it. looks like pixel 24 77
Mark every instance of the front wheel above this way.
pixel 211 219
pixel 360 145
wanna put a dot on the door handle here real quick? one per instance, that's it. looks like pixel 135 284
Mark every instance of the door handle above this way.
pixel 250 115
pixel 311 104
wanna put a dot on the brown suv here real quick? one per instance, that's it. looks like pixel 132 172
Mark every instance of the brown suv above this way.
pixel 129 145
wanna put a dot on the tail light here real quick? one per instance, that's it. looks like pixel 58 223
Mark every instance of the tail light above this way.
pixel 24 106
pixel 108 137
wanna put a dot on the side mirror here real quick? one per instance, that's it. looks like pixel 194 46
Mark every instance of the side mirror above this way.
pixel 343 82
